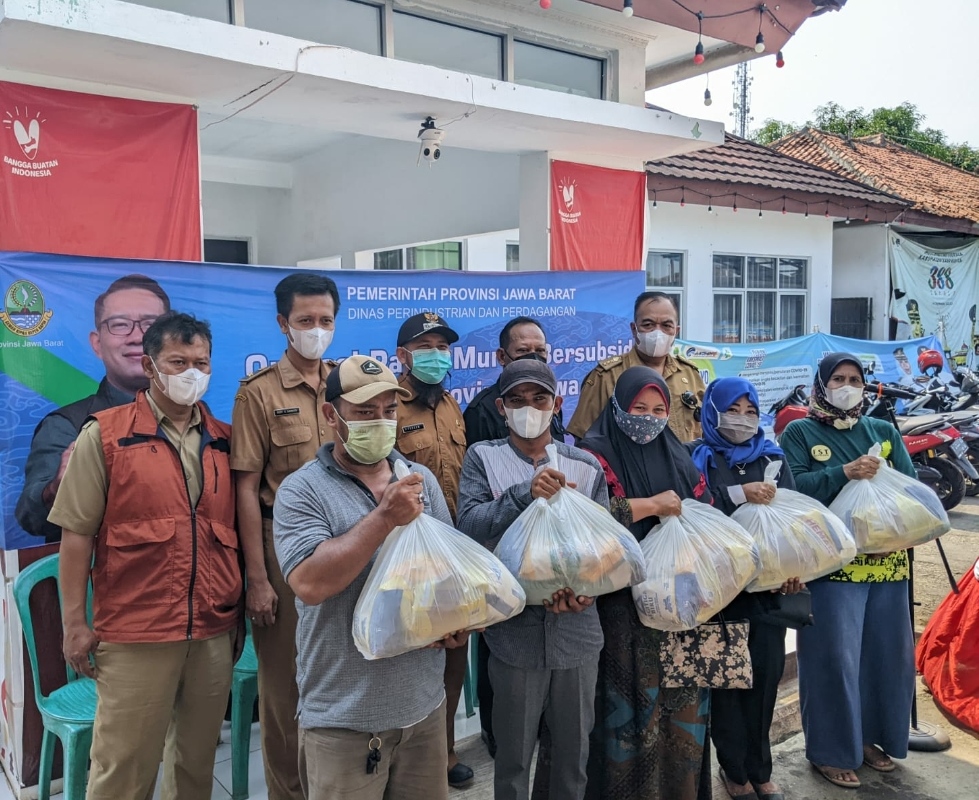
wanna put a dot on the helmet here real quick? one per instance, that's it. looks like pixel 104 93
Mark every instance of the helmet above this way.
pixel 930 363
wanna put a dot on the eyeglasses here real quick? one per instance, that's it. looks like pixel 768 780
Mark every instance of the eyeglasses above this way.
pixel 120 326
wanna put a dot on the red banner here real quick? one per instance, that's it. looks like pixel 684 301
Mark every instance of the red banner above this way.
pixel 82 174
pixel 596 217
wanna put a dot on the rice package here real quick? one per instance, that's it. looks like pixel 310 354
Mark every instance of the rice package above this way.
pixel 429 580
pixel 797 537
pixel 569 541
pixel 696 564
pixel 890 511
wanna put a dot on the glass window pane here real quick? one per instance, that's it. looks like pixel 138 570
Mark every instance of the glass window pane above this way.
pixel 547 68
pixel 512 257
pixel 727 318
pixel 344 22
pixel 728 272
pixel 219 10
pixel 664 269
pixel 442 255
pixel 792 316
pixel 389 259
pixel 761 273
pixel 793 273
pixel 759 317
pixel 426 41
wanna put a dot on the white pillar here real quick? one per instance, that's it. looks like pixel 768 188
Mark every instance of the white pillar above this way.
pixel 535 212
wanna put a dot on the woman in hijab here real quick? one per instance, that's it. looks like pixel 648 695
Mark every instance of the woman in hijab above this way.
pixel 856 663
pixel 648 742
pixel 733 455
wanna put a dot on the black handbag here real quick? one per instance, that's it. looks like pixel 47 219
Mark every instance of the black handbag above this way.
pixel 714 655
pixel 787 610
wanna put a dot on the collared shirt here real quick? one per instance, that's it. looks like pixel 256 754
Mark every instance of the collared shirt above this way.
pixel 434 437
pixel 338 688
pixel 80 503
pixel 278 424
pixel 495 490
pixel 680 376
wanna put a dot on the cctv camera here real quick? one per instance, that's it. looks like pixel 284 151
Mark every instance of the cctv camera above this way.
pixel 431 141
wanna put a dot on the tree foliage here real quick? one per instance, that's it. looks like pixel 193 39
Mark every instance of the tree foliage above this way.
pixel 904 124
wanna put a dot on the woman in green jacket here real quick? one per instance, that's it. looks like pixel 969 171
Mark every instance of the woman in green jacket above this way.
pixel 856 663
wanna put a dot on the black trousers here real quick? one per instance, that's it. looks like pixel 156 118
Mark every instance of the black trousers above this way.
pixel 740 719
pixel 484 691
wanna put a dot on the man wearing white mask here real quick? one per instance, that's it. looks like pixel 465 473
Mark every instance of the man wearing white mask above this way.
pixel 543 663
pixel 148 491
pixel 655 326
pixel 279 425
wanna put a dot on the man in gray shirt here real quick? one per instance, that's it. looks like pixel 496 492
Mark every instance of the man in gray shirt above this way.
pixel 368 729
pixel 544 662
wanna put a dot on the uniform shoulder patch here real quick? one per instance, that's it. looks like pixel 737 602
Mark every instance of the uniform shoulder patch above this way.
pixel 611 361
pixel 250 378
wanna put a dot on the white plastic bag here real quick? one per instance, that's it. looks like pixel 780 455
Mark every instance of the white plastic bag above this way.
pixel 797 537
pixel 696 564
pixel 429 580
pixel 890 511
pixel 569 541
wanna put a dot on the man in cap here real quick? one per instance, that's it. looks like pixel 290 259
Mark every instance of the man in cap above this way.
pixel 431 432
pixel 654 327
pixel 544 662
pixel 367 729
pixel 279 425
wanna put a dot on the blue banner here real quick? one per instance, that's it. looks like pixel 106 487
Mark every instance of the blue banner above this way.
pixel 48 359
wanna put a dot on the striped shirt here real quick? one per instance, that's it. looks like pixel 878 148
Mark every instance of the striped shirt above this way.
pixel 493 490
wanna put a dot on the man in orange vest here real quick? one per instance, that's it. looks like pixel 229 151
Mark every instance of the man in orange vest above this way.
pixel 148 490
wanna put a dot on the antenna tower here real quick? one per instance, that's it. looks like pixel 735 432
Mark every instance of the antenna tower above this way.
pixel 742 99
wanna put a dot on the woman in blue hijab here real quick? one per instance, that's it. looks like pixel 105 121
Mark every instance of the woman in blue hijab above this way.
pixel 733 455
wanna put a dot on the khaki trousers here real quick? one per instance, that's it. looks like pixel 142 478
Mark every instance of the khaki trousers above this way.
pixel 158 701
pixel 333 762
pixel 278 696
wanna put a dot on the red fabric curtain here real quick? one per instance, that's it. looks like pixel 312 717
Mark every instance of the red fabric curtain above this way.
pixel 82 174
pixel 596 217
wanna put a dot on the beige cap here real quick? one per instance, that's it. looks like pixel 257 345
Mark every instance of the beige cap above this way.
pixel 359 379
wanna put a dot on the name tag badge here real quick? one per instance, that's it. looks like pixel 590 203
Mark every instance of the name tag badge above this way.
pixel 821 452
pixel 411 428
pixel 285 412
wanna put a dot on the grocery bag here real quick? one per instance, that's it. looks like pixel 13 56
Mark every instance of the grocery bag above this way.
pixel 429 580
pixel 569 541
pixel 696 564
pixel 889 511
pixel 797 537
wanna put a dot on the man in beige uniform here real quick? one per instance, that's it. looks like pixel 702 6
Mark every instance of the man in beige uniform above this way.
pixel 655 325
pixel 278 426
pixel 431 432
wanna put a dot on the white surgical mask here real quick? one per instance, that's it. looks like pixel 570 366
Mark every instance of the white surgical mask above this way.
pixel 654 344
pixel 845 397
pixel 311 344
pixel 737 428
pixel 186 388
pixel 528 422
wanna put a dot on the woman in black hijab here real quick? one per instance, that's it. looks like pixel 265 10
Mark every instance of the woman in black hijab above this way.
pixel 648 742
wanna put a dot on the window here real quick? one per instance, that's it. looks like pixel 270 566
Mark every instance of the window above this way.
pixel 440 255
pixel 664 273
pixel 219 10
pixel 226 251
pixel 547 68
pixel 344 22
pixel 426 41
pixel 759 298
pixel 512 257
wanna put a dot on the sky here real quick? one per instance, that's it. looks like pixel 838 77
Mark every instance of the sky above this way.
pixel 873 53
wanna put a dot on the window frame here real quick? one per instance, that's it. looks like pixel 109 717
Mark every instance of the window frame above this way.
pixel 743 291
pixel 403 259
pixel 680 292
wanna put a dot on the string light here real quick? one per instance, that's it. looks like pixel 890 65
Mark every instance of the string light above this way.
pixel 654 199
pixel 760 38
pixel 735 209
pixel 779 60
pixel 698 52
pixel 866 213
pixel 707 98
pixel 627 8
pixel 683 197
pixel 807 211
pixel 827 210
pixel 759 209
pixel 783 204
pixel 545 4
pixel 710 206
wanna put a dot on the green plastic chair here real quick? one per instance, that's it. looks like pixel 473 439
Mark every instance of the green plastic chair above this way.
pixel 244 690
pixel 68 713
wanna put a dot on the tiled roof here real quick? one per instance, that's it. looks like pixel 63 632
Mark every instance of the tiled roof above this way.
pixel 740 162
pixel 930 185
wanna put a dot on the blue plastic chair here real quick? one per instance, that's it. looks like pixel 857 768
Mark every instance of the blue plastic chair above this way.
pixel 68 713
pixel 244 690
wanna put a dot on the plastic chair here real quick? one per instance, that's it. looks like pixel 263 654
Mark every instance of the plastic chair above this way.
pixel 68 713
pixel 244 690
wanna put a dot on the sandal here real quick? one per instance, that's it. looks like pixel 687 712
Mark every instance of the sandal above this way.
pixel 727 787
pixel 832 774
pixel 880 762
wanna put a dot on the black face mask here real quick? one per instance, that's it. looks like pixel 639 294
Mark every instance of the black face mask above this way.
pixel 528 356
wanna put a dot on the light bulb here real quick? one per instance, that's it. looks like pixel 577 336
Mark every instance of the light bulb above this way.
pixel 698 53
pixel 545 4
pixel 707 97
pixel 779 60
pixel 760 43
pixel 627 8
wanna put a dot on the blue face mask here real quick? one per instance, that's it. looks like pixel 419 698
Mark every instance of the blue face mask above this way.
pixel 430 365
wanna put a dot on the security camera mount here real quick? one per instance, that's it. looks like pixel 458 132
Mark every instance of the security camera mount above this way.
pixel 431 141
